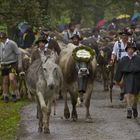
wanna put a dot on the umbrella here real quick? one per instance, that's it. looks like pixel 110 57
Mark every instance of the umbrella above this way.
pixel 23 26
pixel 135 16
pixel 100 23
pixel 123 16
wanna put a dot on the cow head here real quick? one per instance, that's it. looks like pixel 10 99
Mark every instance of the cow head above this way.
pixel 50 70
pixel 82 56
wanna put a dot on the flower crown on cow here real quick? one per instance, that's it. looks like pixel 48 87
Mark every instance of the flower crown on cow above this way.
pixel 83 54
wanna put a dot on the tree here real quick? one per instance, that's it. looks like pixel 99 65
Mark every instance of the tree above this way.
pixel 14 11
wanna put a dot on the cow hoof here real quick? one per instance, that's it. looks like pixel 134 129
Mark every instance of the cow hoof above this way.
pixel 74 119
pixel 66 114
pixel 39 129
pixel 46 130
pixel 89 120
pixel 106 90
pixel 74 116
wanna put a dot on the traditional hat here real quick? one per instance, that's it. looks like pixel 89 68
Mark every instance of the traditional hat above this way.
pixel 45 29
pixel 131 45
pixel 77 36
pixel 41 39
pixel 125 32
pixel 133 26
pixel 3 35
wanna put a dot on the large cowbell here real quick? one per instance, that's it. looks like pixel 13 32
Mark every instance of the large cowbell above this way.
pixel 83 73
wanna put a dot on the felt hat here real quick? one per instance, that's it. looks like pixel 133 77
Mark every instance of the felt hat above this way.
pixel 131 45
pixel 41 39
pixel 76 36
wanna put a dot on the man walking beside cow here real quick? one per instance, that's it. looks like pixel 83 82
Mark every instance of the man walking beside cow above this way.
pixel 119 51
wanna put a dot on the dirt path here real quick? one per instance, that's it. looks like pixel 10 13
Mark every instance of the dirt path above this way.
pixel 109 121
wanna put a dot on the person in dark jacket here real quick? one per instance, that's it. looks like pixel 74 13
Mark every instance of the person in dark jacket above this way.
pixel 51 43
pixel 39 49
pixel 129 70
pixel 28 38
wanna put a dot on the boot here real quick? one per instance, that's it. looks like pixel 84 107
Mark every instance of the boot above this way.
pixel 14 98
pixel 6 99
pixel 121 96
pixel 129 114
pixel 135 112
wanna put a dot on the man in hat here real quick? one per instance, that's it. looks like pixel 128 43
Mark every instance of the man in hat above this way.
pixel 10 58
pixel 50 42
pixel 120 45
pixel 119 50
pixel 76 40
pixel 129 69
pixel 69 33
pixel 39 49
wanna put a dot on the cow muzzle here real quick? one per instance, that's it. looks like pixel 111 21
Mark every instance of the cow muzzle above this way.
pixel 51 86
pixel 83 72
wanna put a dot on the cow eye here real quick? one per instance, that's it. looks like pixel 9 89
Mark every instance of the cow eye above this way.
pixel 44 69
pixel 55 72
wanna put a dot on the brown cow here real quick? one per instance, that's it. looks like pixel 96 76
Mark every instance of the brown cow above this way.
pixel 71 77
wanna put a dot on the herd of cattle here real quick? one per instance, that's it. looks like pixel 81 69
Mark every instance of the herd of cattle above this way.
pixel 46 78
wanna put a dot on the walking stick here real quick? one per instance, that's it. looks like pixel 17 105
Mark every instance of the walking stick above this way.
pixel 111 81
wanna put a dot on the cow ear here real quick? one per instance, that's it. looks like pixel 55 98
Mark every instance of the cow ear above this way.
pixel 56 73
pixel 43 58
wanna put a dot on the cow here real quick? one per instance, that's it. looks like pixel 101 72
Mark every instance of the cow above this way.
pixel 44 80
pixel 26 62
pixel 103 60
pixel 72 82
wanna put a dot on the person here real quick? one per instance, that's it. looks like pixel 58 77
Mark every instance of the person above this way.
pixel 28 38
pixel 129 69
pixel 119 51
pixel 39 49
pixel 69 33
pixel 119 47
pixel 76 40
pixel 50 43
pixel 133 31
pixel 10 60
pixel 113 25
pixel 96 35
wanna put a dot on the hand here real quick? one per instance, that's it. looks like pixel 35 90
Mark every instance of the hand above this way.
pixel 120 84
pixel 111 62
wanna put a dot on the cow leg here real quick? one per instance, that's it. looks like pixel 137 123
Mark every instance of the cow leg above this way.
pixel 87 103
pixel 44 111
pixel 39 116
pixel 74 115
pixel 104 73
pixel 66 108
pixel 107 81
pixel 46 125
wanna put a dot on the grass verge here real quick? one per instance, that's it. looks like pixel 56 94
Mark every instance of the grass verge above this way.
pixel 9 119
